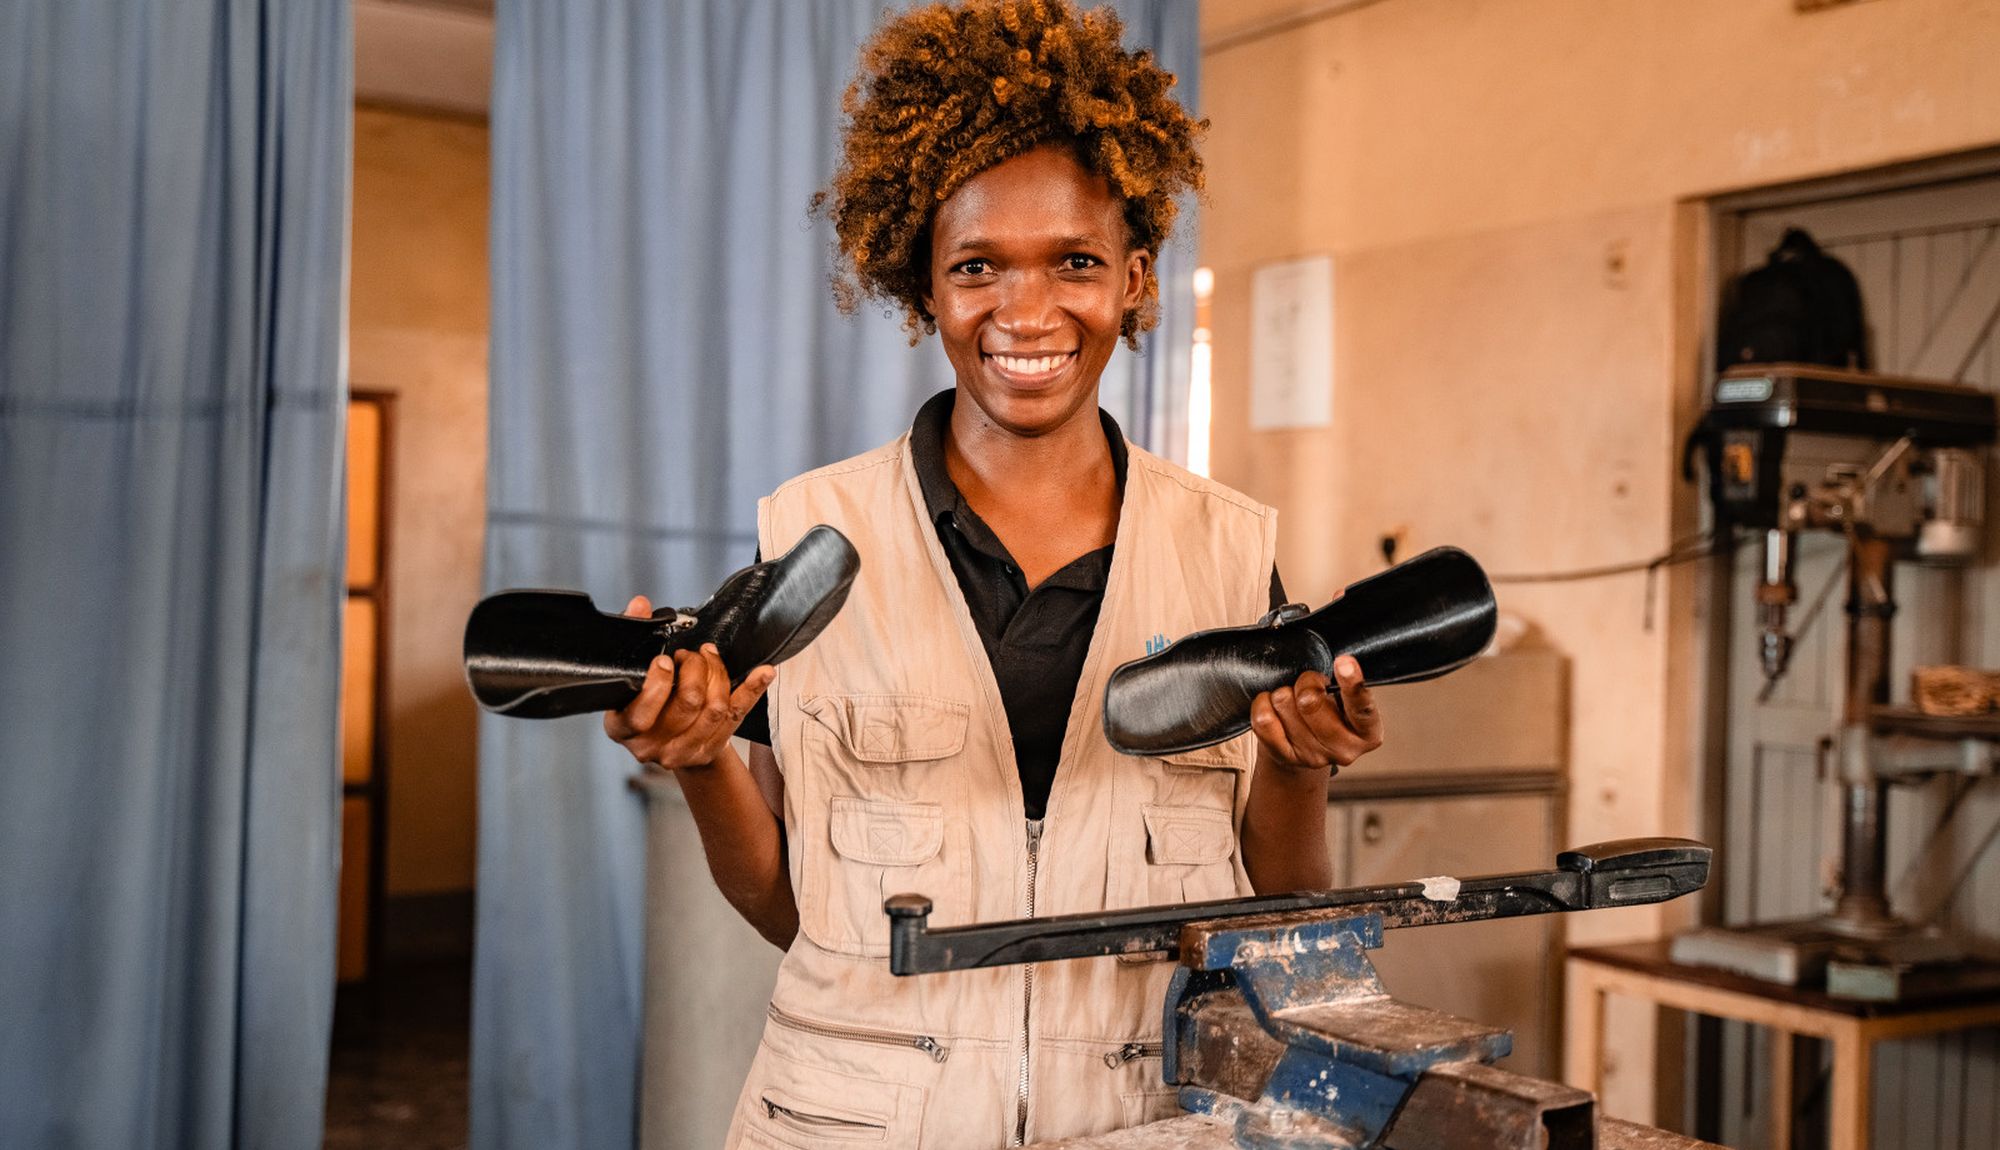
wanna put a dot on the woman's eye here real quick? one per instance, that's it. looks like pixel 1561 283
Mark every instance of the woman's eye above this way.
pixel 974 268
pixel 1078 262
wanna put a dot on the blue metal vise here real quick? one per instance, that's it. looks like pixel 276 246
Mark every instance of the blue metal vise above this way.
pixel 1285 1033
pixel 1279 1032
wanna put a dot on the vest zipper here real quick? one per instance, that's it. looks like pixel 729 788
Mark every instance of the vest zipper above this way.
pixel 923 1042
pixel 1027 989
pixel 1126 1053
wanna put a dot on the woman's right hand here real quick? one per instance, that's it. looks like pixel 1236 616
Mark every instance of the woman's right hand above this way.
pixel 685 712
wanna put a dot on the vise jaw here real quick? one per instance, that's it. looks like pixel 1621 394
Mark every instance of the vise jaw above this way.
pixel 1279 1026
pixel 1285 1031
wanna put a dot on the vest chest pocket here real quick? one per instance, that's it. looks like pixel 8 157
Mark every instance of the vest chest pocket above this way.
pixel 1190 853
pixel 883 814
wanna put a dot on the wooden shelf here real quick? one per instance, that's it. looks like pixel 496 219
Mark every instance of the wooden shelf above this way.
pixel 1912 722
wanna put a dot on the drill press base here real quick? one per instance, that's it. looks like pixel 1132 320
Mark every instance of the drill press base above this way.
pixel 1791 953
pixel 1915 966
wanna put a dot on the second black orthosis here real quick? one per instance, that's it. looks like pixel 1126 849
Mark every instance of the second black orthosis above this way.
pixel 1417 620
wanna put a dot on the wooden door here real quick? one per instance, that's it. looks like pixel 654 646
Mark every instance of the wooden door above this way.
pixel 363 771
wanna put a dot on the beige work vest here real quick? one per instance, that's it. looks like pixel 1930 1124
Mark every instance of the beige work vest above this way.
pixel 900 777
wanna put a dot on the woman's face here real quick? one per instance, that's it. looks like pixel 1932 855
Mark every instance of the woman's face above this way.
pixel 1031 278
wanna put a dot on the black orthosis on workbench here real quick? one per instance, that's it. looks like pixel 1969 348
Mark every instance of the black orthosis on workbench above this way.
pixel 544 654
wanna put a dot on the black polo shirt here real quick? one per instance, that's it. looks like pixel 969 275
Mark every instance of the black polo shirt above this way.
pixel 1036 640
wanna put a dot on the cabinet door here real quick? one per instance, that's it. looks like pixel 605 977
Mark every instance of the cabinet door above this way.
pixel 1500 972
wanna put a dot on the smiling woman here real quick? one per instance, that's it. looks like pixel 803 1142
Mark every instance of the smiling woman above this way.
pixel 1031 277
pixel 1008 175
pixel 948 92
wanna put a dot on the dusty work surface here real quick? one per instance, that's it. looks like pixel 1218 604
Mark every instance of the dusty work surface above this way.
pixel 1199 1132
pixel 1213 1132
pixel 1188 1132
pixel 1613 1134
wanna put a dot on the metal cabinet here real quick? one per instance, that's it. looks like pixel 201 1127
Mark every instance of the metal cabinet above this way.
pixel 1470 782
pixel 1499 972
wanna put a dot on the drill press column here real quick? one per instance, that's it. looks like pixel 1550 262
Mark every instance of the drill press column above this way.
pixel 1862 907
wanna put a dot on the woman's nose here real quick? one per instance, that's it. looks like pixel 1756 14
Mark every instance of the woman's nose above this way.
pixel 1027 307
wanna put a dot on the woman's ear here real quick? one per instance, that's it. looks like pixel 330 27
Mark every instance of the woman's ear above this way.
pixel 1137 262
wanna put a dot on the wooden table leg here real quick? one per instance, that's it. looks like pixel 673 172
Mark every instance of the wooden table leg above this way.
pixel 1852 1053
pixel 1583 1048
pixel 1782 1043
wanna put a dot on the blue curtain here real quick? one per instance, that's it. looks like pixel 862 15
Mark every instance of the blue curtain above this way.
pixel 1148 391
pixel 173 214
pixel 665 351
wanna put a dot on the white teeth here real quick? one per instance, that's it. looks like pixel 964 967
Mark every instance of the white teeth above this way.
pixel 1023 365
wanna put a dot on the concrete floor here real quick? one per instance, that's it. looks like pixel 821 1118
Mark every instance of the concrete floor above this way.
pixel 398 1072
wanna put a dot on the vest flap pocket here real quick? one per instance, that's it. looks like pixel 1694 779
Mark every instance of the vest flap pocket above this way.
pixel 1187 836
pixel 1227 755
pixel 893 728
pixel 887 834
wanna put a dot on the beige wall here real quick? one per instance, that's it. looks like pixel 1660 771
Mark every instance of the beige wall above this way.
pixel 418 329
pixel 1504 186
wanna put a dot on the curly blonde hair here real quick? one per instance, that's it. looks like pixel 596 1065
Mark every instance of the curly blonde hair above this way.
pixel 946 91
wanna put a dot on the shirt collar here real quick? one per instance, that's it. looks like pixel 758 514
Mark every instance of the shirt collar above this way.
pixel 941 495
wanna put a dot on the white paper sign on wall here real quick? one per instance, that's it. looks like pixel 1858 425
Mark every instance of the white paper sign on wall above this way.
pixel 1291 344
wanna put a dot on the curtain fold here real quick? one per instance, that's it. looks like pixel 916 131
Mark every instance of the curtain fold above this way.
pixel 1154 382
pixel 173 214
pixel 665 351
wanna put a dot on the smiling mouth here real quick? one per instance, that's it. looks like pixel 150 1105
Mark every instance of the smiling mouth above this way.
pixel 1031 368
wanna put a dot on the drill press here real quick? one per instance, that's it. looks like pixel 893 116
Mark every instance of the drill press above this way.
pixel 1896 467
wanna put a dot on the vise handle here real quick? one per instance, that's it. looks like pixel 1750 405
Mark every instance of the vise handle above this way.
pixel 1623 872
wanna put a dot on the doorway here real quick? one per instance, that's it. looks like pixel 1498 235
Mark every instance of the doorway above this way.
pixel 1923 242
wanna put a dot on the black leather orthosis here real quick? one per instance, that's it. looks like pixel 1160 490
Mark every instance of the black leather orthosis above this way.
pixel 545 654
pixel 1417 620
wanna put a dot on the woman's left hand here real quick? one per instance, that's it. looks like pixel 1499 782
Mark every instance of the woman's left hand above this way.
pixel 1309 727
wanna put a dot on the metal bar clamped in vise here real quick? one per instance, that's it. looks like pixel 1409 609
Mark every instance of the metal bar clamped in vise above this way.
pixel 1624 872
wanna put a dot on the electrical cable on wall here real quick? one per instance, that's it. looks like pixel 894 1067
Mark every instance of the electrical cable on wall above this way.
pixel 1686 549
pixel 1682 550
